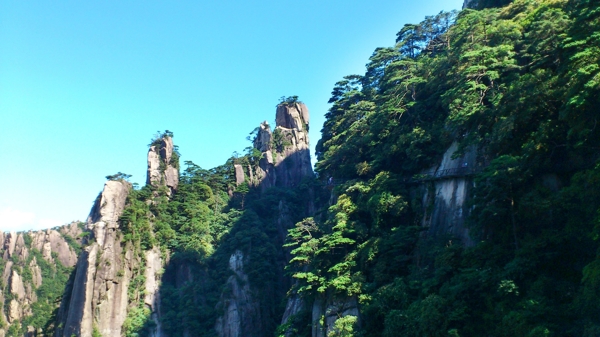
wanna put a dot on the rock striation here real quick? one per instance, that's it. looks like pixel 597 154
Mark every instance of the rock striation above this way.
pixel 326 313
pixel 163 164
pixel 97 300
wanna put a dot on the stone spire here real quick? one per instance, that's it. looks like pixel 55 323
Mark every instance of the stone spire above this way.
pixel 163 166
pixel 286 155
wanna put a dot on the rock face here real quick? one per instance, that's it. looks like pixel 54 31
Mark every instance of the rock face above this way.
pixel 163 168
pixel 51 241
pixel 469 4
pixel 98 296
pixel 97 301
pixel 21 272
pixel 446 199
pixel 154 264
pixel 241 313
pixel 326 313
pixel 285 159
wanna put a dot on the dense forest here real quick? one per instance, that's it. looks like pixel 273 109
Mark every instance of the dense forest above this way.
pixel 519 85
pixel 512 85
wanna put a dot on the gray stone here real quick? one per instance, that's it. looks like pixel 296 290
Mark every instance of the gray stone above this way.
pixel 153 274
pixel 7 271
pixel 446 209
pixel 16 285
pixel 291 161
pixel 262 142
pixel 161 172
pixel 108 208
pixel 36 273
pixel 14 311
pixel 10 243
pixel 329 311
pixel 239 174
pixel 293 306
pixel 99 292
pixel 241 314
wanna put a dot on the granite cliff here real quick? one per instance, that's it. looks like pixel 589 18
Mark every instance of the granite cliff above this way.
pixel 100 296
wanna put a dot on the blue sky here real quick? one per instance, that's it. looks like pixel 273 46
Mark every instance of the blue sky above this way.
pixel 84 85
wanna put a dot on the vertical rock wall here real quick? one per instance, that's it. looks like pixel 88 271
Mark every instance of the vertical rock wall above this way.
pixel 98 297
pixel 97 300
pixel 284 163
pixel 444 201
pixel 241 315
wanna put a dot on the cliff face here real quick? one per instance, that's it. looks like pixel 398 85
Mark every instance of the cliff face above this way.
pixel 444 200
pixel 284 163
pixel 241 316
pixel 285 159
pixel 34 265
pixel 97 299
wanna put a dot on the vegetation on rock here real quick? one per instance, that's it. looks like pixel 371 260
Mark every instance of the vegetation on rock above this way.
pixel 519 83
pixel 514 82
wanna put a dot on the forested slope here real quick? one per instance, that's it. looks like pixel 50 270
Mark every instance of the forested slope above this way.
pixel 518 87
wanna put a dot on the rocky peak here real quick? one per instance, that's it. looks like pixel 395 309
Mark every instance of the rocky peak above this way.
pixel 97 297
pixel 108 208
pixel 51 241
pixel 262 142
pixel 287 143
pixel 163 164
pixel 292 116
pixel 10 242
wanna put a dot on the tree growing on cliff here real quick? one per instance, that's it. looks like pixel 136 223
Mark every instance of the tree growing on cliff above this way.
pixel 119 176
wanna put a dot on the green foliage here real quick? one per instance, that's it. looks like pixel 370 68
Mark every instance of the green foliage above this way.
pixel 199 227
pixel 72 242
pixel 15 330
pixel 118 176
pixel 136 322
pixel 49 294
pixel 344 327
pixel 280 142
pixel 96 332
pixel 290 100
pixel 517 81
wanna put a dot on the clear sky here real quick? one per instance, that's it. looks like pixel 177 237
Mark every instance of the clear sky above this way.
pixel 84 85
